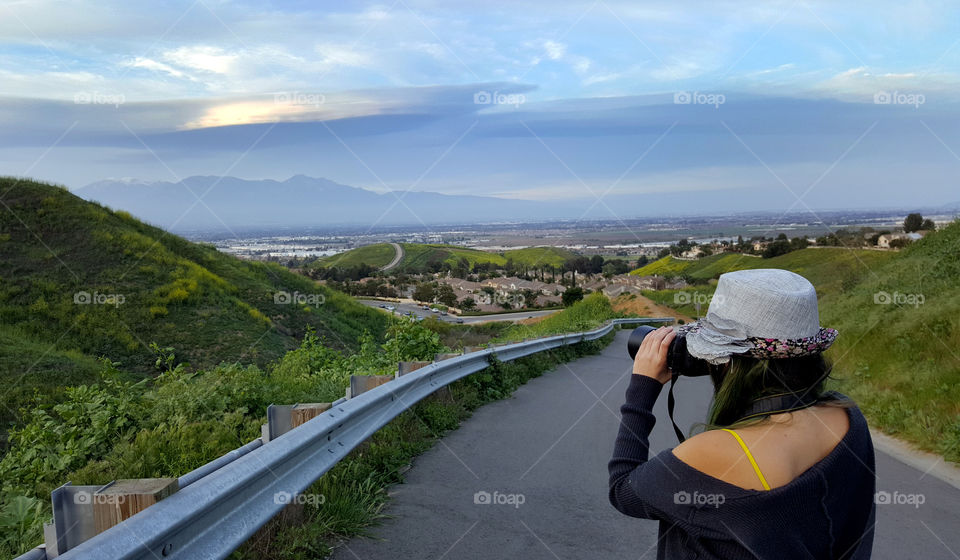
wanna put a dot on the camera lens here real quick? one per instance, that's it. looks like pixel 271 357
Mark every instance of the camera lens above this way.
pixel 636 338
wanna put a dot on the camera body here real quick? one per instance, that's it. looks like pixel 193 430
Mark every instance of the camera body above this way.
pixel 679 360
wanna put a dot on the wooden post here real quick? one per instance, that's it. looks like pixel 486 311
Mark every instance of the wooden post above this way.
pixel 306 411
pixel 404 368
pixel 362 383
pixel 125 498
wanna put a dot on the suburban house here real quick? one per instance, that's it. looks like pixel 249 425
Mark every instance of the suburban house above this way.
pixel 506 285
pixel 884 240
pixel 692 253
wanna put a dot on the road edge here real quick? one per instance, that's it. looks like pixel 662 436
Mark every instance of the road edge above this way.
pixel 928 463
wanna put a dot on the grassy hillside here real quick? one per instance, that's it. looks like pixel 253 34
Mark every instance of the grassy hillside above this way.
pixel 901 360
pixel 540 256
pixel 586 314
pixel 667 266
pixel 826 268
pixel 418 256
pixel 421 257
pixel 79 281
pixel 376 255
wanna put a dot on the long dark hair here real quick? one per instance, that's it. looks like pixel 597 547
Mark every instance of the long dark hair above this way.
pixel 745 379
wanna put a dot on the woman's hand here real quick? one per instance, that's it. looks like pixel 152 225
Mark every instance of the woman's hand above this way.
pixel 651 359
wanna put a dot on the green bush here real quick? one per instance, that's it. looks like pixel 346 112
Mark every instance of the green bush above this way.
pixel 586 314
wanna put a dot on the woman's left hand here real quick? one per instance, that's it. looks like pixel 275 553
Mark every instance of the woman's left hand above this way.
pixel 651 359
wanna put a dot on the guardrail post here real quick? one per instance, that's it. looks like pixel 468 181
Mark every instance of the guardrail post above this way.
pixel 362 383
pixel 307 411
pixel 125 498
pixel 81 512
pixel 72 518
pixel 404 368
pixel 281 418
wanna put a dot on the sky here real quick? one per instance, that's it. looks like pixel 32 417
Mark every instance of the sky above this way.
pixel 742 105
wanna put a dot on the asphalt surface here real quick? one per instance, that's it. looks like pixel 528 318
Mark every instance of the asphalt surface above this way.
pixel 403 308
pixel 397 257
pixel 548 447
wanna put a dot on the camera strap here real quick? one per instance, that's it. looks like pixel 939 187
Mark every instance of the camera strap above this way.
pixel 776 404
pixel 773 404
pixel 671 402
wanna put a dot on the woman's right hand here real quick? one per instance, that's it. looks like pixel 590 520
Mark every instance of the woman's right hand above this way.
pixel 651 359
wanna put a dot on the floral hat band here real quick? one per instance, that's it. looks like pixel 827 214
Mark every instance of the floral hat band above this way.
pixel 763 313
pixel 793 347
pixel 770 348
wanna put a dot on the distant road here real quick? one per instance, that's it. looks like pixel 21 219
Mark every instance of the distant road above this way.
pixel 550 443
pixel 402 308
pixel 396 258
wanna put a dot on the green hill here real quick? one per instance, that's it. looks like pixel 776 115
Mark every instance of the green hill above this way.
pixel 540 256
pixel 898 352
pixel 376 255
pixel 824 267
pixel 668 267
pixel 79 281
pixel 423 257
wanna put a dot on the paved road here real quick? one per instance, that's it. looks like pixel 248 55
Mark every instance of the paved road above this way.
pixel 550 443
pixel 403 308
pixel 397 257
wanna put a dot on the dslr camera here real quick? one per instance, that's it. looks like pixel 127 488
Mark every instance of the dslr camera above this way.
pixel 679 360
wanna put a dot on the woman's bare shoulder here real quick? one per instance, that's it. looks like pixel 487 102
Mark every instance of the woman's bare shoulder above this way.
pixel 710 452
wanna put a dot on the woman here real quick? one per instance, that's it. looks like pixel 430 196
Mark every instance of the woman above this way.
pixel 784 470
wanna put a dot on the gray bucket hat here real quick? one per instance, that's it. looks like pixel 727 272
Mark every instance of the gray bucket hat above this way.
pixel 763 313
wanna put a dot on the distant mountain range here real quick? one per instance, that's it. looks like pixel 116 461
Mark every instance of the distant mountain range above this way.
pixel 206 202
pixel 225 205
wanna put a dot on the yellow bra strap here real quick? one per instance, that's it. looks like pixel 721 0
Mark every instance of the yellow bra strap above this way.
pixel 753 462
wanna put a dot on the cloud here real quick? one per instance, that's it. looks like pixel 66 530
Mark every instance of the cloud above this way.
pixel 202 57
pixel 862 83
pixel 554 50
pixel 149 64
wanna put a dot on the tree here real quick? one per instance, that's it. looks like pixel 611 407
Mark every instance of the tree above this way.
pixel 798 243
pixel 529 297
pixel 596 264
pixel 912 222
pixel 468 304
pixel 461 269
pixel 777 248
pixel 446 295
pixel 928 225
pixel 571 296
pixel 425 292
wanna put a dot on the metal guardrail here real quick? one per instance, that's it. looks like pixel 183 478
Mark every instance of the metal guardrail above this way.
pixel 225 502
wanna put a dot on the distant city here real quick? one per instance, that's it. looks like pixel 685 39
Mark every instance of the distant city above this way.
pixel 629 238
